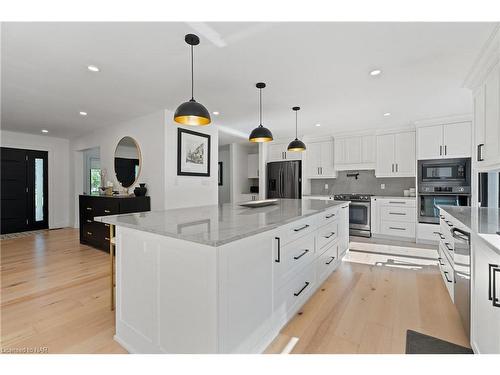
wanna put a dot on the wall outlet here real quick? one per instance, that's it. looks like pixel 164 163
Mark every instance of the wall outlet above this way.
pixel 382 186
pixel 326 186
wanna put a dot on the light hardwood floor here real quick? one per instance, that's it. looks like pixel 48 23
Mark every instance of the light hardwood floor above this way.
pixel 55 294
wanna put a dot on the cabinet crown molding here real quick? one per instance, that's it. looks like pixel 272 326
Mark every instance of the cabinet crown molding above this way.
pixel 443 120
pixel 488 57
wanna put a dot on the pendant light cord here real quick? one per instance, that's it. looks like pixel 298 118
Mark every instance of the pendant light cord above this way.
pixel 192 74
pixel 260 107
pixel 296 124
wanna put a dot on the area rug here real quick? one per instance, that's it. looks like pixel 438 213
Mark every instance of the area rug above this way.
pixel 10 236
pixel 418 343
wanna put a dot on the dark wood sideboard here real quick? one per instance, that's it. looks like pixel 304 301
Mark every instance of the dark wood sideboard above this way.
pixel 96 234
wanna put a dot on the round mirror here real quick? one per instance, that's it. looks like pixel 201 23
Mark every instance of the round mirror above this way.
pixel 127 162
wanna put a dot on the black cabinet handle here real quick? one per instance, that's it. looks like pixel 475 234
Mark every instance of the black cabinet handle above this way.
pixel 495 298
pixel 300 291
pixel 301 228
pixel 445 151
pixel 397 228
pixel 395 202
pixel 440 150
pixel 449 224
pixel 439 234
pixel 446 276
pixel 331 234
pixel 301 255
pixel 330 261
pixel 329 216
pixel 446 244
pixel 278 260
pixel 480 152
pixel 490 289
pixel 439 261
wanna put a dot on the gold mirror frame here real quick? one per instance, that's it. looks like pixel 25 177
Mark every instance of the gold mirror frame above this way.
pixel 140 161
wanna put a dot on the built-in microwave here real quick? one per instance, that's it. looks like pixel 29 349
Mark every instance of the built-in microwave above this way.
pixel 445 170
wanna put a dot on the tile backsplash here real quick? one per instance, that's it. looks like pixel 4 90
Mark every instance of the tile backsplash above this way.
pixel 366 183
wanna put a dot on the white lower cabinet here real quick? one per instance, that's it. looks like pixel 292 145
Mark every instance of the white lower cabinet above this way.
pixel 394 217
pixel 327 262
pixel 485 298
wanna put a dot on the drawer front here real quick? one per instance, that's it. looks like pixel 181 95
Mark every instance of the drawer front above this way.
pixel 326 235
pixel 328 217
pixel 105 207
pixel 298 229
pixel 397 202
pixel 398 213
pixel 292 295
pixel 397 228
pixel 446 272
pixel 292 257
pixel 326 262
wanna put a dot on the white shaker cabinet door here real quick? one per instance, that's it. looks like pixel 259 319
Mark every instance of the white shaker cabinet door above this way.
pixel 326 150
pixel 385 155
pixel 457 140
pixel 430 142
pixel 312 162
pixel 276 152
pixel 404 154
pixel 353 150
pixel 492 117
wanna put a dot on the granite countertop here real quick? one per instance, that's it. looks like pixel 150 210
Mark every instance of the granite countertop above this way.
pixel 217 225
pixel 483 221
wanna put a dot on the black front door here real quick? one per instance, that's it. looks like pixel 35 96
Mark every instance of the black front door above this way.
pixel 23 190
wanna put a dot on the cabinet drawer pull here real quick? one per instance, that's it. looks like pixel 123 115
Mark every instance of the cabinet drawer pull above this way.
pixel 329 216
pixel 331 234
pixel 296 294
pixel 446 276
pixel 89 208
pixel 301 255
pixel 278 259
pixel 490 289
pixel 441 216
pixel 397 228
pixel 439 234
pixel 396 202
pixel 106 238
pixel 301 228
pixel 89 233
pixel 107 211
pixel 439 261
pixel 106 225
pixel 449 224
pixel 330 261
pixel 446 245
pixel 494 293
pixel 89 221
pixel 397 213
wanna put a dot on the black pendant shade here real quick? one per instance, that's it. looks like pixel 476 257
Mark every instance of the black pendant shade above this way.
pixel 260 133
pixel 296 145
pixel 192 112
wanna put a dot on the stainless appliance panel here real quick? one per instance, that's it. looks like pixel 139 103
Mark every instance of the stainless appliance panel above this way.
pixel 283 179
pixel 360 219
pixel 428 211
pixel 461 259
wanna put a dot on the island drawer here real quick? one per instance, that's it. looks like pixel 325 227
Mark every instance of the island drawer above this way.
pixel 398 213
pixel 328 217
pixel 326 262
pixel 397 228
pixel 326 235
pixel 292 257
pixel 298 229
pixel 294 293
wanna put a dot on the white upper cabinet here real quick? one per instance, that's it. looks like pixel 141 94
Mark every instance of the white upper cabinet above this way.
pixel 355 152
pixel 451 140
pixel 491 152
pixel 318 160
pixel 278 152
pixel 253 166
pixel 396 155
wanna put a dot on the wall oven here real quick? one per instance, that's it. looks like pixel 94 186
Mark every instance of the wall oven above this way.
pixel 442 182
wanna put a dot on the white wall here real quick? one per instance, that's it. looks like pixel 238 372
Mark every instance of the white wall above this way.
pixel 149 133
pixel 188 191
pixel 225 189
pixel 59 176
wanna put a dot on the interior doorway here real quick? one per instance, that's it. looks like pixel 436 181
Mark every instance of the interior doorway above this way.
pixel 24 190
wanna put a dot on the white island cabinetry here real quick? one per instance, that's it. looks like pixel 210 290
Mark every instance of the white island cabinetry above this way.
pixel 222 280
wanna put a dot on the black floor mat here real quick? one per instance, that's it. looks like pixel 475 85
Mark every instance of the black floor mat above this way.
pixel 418 343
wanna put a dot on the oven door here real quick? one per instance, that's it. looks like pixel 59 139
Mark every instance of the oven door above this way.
pixel 359 215
pixel 428 206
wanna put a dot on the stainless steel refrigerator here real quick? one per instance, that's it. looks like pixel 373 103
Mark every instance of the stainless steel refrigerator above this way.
pixel 284 179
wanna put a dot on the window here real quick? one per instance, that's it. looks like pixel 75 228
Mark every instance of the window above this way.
pixel 95 180
pixel 39 189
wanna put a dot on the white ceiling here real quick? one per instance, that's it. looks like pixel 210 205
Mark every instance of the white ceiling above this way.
pixel 322 67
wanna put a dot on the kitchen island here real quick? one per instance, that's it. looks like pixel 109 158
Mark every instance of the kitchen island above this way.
pixel 221 278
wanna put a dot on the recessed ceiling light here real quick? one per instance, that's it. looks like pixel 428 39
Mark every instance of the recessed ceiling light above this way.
pixel 375 72
pixel 45 131
pixel 318 124
pixel 387 114
pixel 93 68
pixel 216 113
pixel 83 113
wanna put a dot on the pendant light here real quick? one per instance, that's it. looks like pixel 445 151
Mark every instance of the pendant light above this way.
pixel 192 112
pixel 260 133
pixel 296 144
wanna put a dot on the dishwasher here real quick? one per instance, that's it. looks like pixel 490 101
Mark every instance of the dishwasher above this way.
pixel 461 258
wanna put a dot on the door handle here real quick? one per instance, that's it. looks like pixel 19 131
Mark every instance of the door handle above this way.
pixel 278 259
pixel 301 228
pixel 301 290
pixel 446 276
pixel 330 261
pixel 301 255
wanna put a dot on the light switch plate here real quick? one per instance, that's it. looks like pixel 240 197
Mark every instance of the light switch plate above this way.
pixel 382 186
pixel 326 186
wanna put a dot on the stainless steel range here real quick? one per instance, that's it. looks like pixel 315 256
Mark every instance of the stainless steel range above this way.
pixel 359 213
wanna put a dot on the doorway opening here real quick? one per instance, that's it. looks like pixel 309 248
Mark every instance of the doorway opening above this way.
pixel 24 190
